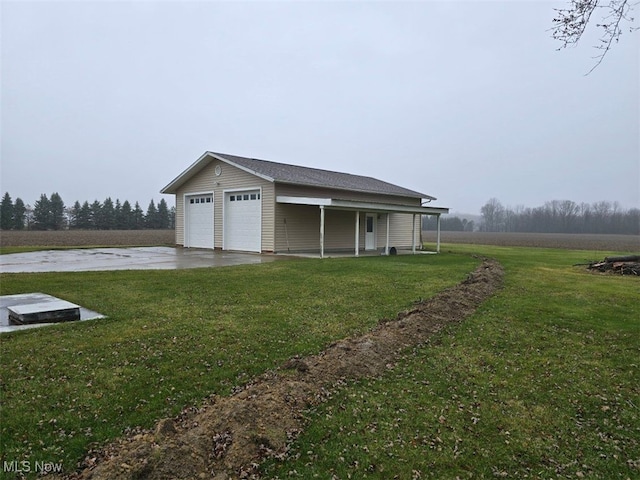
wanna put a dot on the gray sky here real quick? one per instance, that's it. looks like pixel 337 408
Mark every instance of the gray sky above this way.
pixel 464 101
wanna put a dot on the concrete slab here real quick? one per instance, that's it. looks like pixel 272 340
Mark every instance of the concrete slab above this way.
pixel 24 300
pixel 136 258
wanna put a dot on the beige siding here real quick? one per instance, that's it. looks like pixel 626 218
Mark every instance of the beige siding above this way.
pixel 231 178
pixel 296 227
pixel 179 220
pixel 400 230
pixel 340 230
pixel 302 229
pixel 300 191
pixel 301 232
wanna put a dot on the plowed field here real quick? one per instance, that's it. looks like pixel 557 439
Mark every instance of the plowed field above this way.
pixel 79 238
pixel 85 238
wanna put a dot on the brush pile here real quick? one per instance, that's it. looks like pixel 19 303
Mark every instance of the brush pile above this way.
pixel 627 265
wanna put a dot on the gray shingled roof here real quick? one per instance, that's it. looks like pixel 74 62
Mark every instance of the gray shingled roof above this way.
pixel 314 177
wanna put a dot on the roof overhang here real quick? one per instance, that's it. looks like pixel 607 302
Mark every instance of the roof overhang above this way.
pixel 198 165
pixel 337 204
pixel 208 157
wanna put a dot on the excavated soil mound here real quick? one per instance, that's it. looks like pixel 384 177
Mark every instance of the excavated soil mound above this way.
pixel 228 437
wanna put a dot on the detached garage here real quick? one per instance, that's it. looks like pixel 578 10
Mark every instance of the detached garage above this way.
pixel 246 204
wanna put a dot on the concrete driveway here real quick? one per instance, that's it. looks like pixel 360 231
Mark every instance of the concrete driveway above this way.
pixel 137 258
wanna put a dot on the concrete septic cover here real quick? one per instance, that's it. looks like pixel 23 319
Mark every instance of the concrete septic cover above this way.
pixel 37 310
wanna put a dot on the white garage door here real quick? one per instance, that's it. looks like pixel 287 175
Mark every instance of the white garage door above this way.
pixel 199 221
pixel 242 221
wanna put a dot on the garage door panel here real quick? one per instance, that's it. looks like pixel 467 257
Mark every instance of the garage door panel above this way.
pixel 242 221
pixel 199 221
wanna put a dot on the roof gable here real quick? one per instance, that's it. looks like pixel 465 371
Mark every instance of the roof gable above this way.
pixel 297 175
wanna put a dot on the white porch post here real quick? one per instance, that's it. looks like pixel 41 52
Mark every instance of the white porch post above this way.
pixel 413 235
pixel 357 233
pixel 321 231
pixel 438 239
pixel 386 248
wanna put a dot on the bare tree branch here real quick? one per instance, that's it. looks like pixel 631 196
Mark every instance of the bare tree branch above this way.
pixel 570 23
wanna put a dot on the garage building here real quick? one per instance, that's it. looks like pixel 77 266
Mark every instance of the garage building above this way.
pixel 244 204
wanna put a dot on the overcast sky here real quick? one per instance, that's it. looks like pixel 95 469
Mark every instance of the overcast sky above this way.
pixel 463 101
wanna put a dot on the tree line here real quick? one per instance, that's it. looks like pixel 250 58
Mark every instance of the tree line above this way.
pixel 50 213
pixel 561 216
pixel 449 224
pixel 556 216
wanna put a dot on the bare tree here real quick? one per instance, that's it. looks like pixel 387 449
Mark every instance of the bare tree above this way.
pixel 493 216
pixel 570 23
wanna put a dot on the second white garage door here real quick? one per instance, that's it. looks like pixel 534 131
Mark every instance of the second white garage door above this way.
pixel 242 221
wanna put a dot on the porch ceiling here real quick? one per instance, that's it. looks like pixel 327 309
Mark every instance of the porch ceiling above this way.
pixel 337 204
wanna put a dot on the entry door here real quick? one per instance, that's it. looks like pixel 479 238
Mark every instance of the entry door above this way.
pixel 370 232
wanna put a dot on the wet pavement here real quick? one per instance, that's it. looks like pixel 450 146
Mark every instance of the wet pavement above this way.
pixel 136 258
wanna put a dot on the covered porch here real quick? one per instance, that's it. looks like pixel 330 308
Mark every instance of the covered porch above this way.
pixel 373 211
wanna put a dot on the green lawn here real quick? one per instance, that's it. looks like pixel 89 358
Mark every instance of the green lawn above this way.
pixel 174 337
pixel 542 382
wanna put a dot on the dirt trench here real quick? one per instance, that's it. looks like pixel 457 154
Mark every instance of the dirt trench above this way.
pixel 228 437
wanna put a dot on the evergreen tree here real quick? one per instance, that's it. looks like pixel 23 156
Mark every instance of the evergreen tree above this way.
pixel 108 215
pixel 56 206
pixel 119 219
pixel 172 218
pixel 19 211
pixel 49 213
pixel 96 215
pixel 84 216
pixel 138 217
pixel 127 216
pixel 6 212
pixel 42 218
pixel 163 215
pixel 74 215
pixel 151 219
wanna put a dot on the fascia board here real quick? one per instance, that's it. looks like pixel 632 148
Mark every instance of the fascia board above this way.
pixel 244 169
pixel 324 202
pixel 199 164
pixel 359 190
pixel 385 207
pixel 362 206
pixel 187 174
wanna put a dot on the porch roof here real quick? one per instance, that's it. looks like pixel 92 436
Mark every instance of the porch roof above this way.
pixel 338 204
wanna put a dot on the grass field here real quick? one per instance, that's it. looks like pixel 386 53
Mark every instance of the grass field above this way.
pixel 542 382
pixel 175 337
